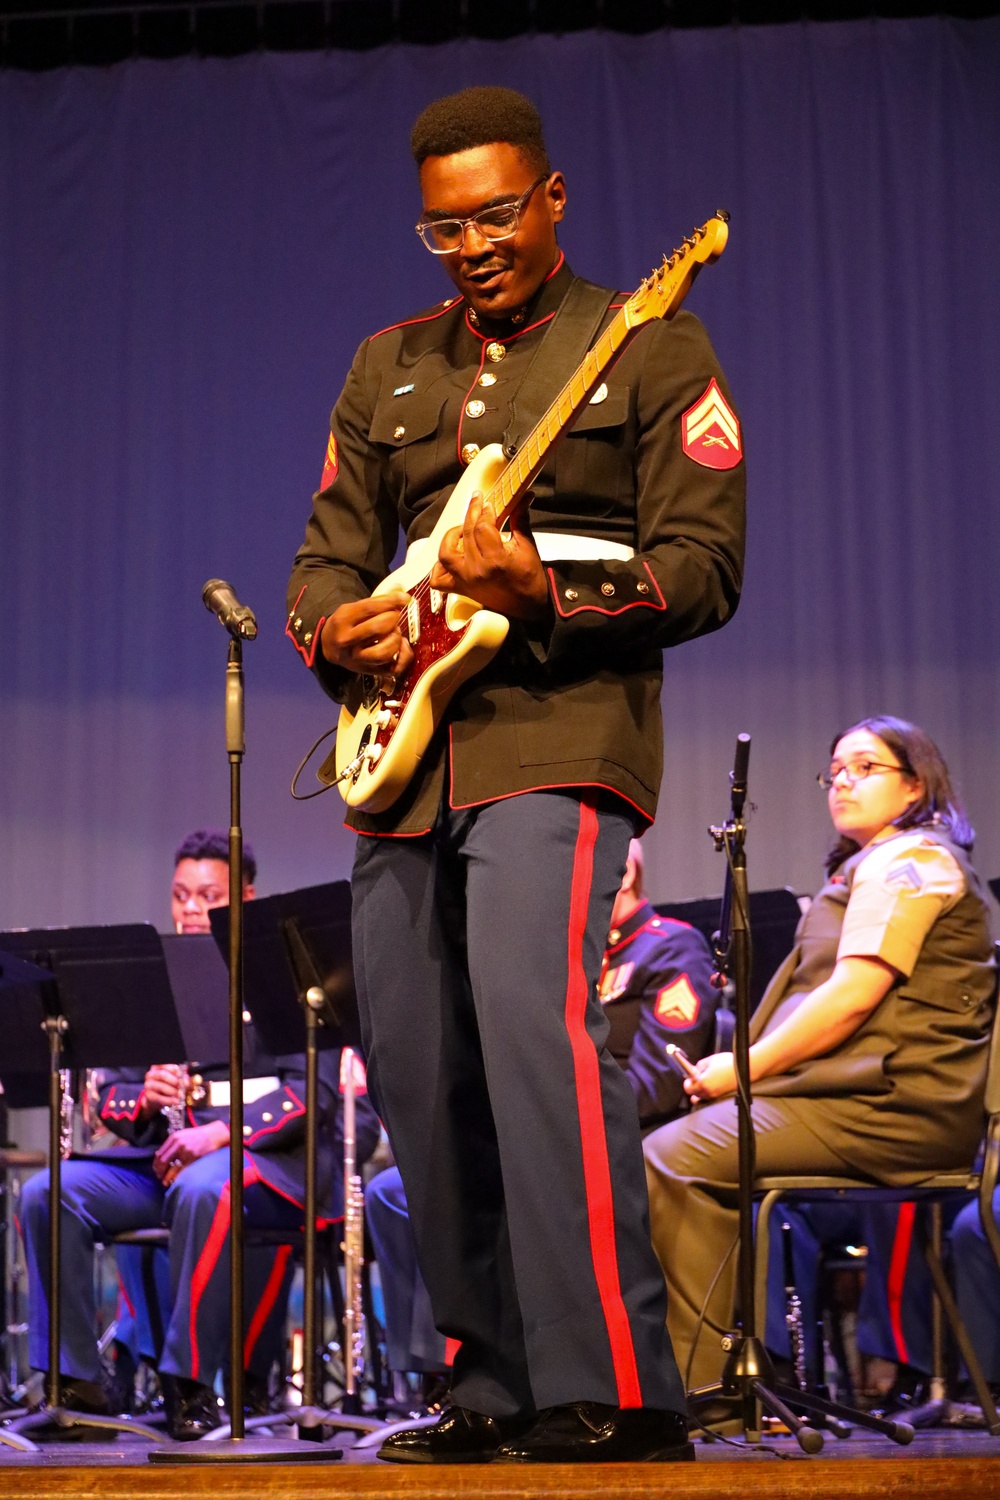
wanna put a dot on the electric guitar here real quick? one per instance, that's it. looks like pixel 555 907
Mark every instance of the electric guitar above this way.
pixel 386 724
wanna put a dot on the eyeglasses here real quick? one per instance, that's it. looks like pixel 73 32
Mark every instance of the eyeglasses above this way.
pixel 855 770
pixel 445 236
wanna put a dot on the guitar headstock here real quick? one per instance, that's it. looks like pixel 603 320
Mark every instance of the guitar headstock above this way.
pixel 664 289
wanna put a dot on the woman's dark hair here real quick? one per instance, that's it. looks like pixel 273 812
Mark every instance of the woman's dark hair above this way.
pixel 480 117
pixel 919 757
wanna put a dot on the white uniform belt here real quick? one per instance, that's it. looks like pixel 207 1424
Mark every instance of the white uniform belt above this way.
pixel 554 546
pixel 218 1094
pixel 557 546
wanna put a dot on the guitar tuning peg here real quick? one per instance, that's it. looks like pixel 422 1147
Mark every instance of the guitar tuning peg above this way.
pixel 672 261
pixel 699 234
pixel 723 214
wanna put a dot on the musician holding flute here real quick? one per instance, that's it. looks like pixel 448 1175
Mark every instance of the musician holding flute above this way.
pixel 483 893
pixel 173 1168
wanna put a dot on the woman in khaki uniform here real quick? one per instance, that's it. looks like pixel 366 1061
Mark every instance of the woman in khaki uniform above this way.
pixel 868 1050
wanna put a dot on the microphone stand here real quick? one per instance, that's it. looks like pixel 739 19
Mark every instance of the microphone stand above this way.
pixel 240 624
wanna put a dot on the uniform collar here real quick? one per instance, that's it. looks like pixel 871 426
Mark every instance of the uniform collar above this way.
pixel 541 306
pixel 623 934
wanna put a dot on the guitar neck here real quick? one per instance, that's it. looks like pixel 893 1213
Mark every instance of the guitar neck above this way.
pixel 508 495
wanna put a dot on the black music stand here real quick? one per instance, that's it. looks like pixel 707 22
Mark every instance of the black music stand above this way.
pixel 105 1001
pixel 299 966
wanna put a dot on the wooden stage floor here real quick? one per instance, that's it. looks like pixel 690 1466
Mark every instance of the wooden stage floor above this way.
pixel 936 1466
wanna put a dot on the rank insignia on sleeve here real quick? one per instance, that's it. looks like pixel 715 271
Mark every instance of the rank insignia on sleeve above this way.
pixel 710 431
pixel 330 463
pixel 906 877
pixel 614 982
pixel 677 1005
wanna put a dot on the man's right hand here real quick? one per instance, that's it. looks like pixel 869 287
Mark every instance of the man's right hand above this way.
pixel 365 636
pixel 163 1085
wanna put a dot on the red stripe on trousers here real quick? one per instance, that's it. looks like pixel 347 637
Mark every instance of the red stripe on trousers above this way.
pixel 200 1277
pixel 897 1275
pixel 451 1348
pixel 263 1309
pixel 593 1140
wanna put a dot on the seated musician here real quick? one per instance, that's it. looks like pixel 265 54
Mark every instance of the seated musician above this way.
pixel 180 1178
pixel 869 1048
pixel 655 986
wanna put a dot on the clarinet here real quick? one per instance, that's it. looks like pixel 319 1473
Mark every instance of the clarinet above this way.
pixel 66 1108
pixel 793 1310
pixel 353 1247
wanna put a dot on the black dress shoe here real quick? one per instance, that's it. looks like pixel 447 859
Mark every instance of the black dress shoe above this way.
pixel 460 1436
pixel 192 1408
pixel 589 1432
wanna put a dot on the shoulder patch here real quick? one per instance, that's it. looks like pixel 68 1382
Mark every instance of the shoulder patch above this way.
pixel 906 877
pixel 677 1005
pixel 331 463
pixel 614 982
pixel 710 431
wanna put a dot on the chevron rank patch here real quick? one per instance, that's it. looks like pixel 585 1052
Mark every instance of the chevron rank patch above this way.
pixel 710 431
pixel 330 463
pixel 905 877
pixel 677 1005
pixel 614 982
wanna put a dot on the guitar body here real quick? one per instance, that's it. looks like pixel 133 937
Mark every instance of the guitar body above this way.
pixel 386 726
pixel 451 637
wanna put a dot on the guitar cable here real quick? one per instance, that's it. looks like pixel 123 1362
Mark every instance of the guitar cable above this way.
pixel 308 796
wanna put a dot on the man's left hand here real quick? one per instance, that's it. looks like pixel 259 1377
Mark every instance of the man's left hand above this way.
pixel 716 1077
pixel 504 574
pixel 183 1147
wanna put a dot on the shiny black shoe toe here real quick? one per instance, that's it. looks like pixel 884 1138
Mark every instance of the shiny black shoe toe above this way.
pixel 589 1432
pixel 192 1408
pixel 460 1436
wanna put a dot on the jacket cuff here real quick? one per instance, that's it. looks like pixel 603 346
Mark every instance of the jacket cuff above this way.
pixel 606 588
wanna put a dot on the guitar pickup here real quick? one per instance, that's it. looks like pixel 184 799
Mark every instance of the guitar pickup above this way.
pixel 437 601
pixel 413 621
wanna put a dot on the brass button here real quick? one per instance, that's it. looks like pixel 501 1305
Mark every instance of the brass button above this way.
pixel 469 452
pixel 267 1117
pixel 601 394
pixel 496 352
pixel 287 1104
pixel 571 594
pixel 642 588
pixel 308 636
pixel 475 408
pixel 399 432
pixel 473 317
pixel 613 936
pixel 607 589
pixel 298 623
pixel 247 1016
pixel 517 318
pixel 246 1130
pixel 487 378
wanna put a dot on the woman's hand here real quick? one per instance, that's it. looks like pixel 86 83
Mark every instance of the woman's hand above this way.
pixel 183 1147
pixel 715 1076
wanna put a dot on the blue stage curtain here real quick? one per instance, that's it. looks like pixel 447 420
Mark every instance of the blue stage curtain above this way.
pixel 190 252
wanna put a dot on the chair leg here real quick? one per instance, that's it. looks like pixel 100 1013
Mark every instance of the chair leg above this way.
pixel 950 1308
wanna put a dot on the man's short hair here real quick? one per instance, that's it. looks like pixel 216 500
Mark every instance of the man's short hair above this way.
pixel 480 116
pixel 213 843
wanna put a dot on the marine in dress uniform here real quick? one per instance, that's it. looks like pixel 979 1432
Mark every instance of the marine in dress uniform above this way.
pixel 897 1099
pixel 514 1129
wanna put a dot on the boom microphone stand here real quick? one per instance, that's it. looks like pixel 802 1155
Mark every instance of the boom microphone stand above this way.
pixel 748 1373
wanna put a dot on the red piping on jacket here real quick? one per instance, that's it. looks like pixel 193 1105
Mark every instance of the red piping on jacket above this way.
pixel 596 608
pixel 593 1139
pixel 309 656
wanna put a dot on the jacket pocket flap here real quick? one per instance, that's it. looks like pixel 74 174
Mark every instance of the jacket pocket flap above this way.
pixel 611 412
pixel 399 422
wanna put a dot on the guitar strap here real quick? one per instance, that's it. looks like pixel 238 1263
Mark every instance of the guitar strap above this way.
pixel 566 341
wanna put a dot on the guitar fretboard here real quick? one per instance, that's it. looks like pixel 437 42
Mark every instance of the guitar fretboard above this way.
pixel 508 494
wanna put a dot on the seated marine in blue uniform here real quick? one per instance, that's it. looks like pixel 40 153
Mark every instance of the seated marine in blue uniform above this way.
pixel 655 987
pixel 180 1178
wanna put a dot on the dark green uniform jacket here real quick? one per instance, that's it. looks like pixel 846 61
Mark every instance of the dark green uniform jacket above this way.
pixel 575 699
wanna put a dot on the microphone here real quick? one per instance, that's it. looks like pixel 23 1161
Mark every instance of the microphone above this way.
pixel 738 777
pixel 218 597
